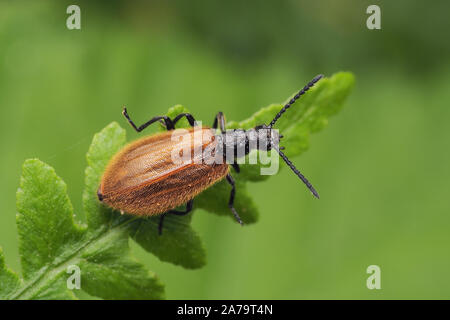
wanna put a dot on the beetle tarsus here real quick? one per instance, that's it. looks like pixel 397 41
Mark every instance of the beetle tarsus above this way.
pixel 236 216
pixel 231 201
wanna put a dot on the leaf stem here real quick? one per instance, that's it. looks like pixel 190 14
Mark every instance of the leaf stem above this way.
pixel 51 272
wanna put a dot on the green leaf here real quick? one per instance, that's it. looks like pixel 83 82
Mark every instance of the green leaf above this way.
pixel 308 115
pixel 178 243
pixel 50 242
pixel 313 110
pixel 110 272
pixel 45 222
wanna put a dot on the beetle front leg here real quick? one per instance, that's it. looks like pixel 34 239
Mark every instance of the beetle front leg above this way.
pixel 231 201
pixel 189 206
pixel 169 124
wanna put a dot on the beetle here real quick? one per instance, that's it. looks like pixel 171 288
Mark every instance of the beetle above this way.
pixel 141 179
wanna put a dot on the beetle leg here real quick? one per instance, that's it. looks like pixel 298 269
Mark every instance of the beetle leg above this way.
pixel 231 201
pixel 236 167
pixel 167 121
pixel 188 116
pixel 189 206
pixel 219 121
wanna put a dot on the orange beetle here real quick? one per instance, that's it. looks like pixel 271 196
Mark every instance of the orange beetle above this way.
pixel 143 178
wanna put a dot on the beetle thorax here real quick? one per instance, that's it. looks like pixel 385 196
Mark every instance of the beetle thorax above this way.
pixel 241 142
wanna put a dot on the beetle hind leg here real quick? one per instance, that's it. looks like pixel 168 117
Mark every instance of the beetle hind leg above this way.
pixel 189 206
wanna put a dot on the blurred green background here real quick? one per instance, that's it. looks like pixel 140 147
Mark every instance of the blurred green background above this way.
pixel 381 166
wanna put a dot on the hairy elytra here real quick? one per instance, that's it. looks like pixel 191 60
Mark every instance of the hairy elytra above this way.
pixel 142 179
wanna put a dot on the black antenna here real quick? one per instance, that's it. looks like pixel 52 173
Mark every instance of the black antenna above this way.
pixel 298 173
pixel 292 101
